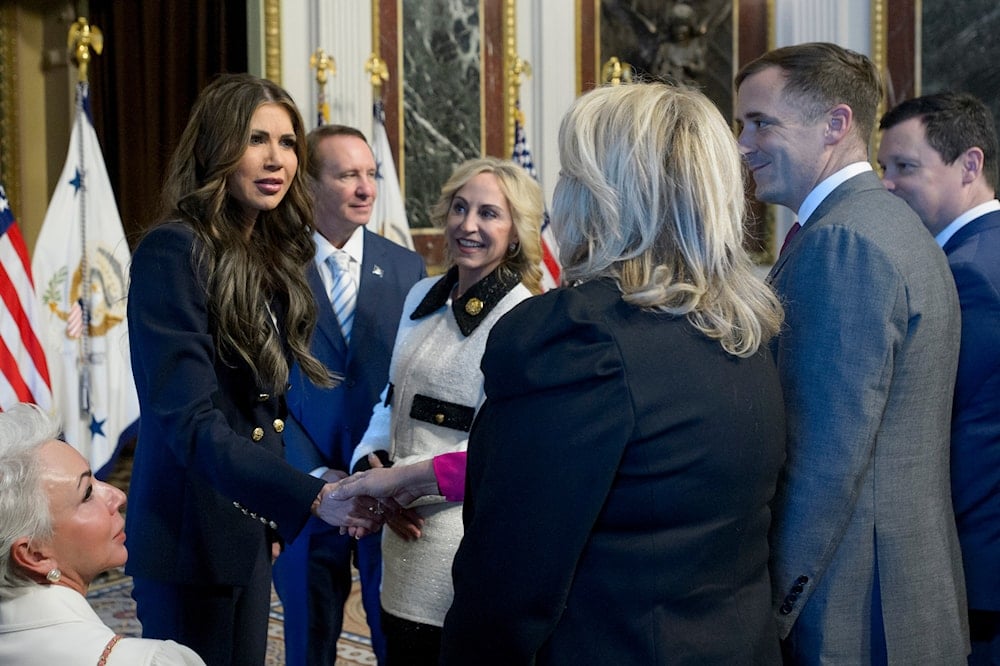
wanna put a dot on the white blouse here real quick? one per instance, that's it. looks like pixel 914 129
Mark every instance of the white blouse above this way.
pixel 53 624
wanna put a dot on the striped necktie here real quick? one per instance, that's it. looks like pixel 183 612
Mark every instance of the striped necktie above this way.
pixel 344 293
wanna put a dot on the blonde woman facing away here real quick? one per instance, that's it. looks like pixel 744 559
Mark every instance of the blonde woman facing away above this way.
pixel 619 473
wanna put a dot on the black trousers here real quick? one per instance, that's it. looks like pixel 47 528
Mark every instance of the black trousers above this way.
pixel 410 643
pixel 984 629
pixel 226 625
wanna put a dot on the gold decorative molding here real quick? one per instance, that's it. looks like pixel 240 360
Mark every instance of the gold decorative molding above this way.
pixel 588 46
pixel 772 26
pixel 879 46
pixel 880 58
pixel 9 148
pixel 918 46
pixel 272 40
pixel 513 67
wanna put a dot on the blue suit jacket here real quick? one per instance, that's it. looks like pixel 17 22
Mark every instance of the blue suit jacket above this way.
pixel 974 257
pixel 326 424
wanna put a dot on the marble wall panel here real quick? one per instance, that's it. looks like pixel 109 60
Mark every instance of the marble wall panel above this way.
pixel 960 50
pixel 441 96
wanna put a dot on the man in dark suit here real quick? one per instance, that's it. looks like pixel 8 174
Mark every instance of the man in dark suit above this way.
pixel 865 559
pixel 313 574
pixel 939 154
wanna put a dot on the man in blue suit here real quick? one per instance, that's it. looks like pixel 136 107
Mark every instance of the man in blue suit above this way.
pixel 313 574
pixel 939 154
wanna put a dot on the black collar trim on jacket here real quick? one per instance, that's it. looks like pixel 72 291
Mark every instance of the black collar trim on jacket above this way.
pixel 471 307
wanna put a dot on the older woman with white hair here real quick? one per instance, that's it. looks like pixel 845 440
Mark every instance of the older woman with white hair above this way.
pixel 59 528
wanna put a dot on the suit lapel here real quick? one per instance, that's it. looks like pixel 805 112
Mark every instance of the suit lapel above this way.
pixel 990 220
pixel 373 275
pixel 848 188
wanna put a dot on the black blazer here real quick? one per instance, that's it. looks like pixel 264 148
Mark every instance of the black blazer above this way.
pixel 209 483
pixel 616 502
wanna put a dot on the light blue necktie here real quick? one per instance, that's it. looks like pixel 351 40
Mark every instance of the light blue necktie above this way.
pixel 344 293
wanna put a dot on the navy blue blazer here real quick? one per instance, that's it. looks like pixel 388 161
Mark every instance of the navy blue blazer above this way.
pixel 616 505
pixel 210 485
pixel 974 257
pixel 326 424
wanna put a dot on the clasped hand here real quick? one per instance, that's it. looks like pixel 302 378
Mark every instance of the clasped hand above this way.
pixel 360 507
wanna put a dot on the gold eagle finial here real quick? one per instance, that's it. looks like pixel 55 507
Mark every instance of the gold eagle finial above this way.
pixel 82 38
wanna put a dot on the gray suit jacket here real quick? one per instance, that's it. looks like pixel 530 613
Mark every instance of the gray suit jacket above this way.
pixel 867 361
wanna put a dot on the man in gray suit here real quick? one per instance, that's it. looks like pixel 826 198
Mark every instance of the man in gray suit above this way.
pixel 865 561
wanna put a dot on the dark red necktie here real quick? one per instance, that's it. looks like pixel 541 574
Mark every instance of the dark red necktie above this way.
pixel 789 236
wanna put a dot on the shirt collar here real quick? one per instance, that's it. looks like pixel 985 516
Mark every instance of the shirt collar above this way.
pixel 822 191
pixel 945 234
pixel 354 247
pixel 471 307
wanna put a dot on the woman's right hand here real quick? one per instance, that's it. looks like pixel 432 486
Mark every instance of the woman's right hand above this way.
pixel 397 486
pixel 362 512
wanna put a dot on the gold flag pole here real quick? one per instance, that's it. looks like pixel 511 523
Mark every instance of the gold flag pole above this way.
pixel 325 66
pixel 82 38
pixel 518 68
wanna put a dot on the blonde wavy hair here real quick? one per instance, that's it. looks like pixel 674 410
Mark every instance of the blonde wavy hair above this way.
pixel 526 204
pixel 651 195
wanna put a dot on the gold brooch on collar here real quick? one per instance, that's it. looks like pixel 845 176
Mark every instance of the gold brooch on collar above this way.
pixel 473 306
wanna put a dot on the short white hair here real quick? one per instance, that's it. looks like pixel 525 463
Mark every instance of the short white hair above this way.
pixel 24 505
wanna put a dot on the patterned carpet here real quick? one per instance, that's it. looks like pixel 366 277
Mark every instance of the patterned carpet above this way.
pixel 110 597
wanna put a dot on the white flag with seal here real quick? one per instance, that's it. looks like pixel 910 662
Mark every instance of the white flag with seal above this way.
pixel 80 266
pixel 389 215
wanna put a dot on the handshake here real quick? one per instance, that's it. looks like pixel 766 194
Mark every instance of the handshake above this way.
pixel 361 503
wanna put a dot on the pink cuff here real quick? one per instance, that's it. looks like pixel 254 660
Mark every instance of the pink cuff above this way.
pixel 449 468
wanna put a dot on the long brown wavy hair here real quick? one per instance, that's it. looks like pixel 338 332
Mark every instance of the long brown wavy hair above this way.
pixel 245 274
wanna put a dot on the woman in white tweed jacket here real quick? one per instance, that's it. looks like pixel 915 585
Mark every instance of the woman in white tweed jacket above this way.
pixel 491 211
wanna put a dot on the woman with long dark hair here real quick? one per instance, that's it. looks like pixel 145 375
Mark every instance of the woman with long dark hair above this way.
pixel 218 311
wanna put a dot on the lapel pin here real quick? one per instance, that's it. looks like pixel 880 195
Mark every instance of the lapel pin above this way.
pixel 377 271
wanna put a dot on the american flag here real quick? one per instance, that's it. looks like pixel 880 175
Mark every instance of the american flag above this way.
pixel 551 270
pixel 24 373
